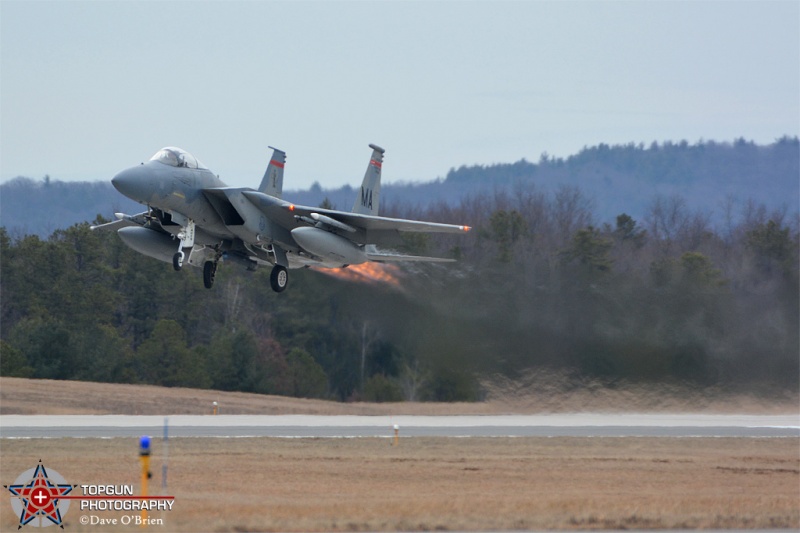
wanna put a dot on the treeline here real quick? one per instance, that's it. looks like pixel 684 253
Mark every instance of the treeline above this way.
pixel 670 298
pixel 540 284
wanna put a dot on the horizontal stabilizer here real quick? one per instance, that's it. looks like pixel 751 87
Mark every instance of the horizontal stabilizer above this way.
pixel 381 257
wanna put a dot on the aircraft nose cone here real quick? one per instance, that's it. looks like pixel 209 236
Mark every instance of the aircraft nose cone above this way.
pixel 129 183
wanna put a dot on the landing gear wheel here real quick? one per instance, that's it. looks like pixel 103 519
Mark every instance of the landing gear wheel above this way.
pixel 279 278
pixel 177 261
pixel 209 273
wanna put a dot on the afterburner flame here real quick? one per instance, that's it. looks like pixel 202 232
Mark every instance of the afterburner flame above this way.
pixel 372 273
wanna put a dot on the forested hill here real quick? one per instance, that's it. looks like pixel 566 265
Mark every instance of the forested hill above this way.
pixel 545 281
pixel 626 178
pixel 715 178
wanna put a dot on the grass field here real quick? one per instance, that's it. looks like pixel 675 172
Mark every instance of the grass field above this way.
pixel 266 484
pixel 544 394
pixel 272 484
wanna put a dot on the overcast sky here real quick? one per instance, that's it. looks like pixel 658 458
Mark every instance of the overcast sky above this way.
pixel 89 88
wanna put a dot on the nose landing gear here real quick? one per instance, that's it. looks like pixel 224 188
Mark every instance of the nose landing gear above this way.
pixel 177 260
pixel 185 240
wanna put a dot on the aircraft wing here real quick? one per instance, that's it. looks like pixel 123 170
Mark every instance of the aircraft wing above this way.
pixel 378 223
pixel 357 227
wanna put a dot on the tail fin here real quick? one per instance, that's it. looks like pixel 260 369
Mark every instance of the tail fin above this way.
pixel 272 182
pixel 368 199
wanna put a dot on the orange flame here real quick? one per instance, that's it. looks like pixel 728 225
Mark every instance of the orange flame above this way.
pixel 372 273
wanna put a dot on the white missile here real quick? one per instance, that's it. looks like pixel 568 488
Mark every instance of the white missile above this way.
pixel 332 222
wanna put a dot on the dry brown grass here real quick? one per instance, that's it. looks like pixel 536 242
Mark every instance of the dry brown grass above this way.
pixel 545 393
pixel 257 484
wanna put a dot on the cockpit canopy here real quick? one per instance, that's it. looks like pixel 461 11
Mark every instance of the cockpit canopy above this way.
pixel 175 157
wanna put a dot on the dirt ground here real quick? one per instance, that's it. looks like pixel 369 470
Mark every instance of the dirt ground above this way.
pixel 266 484
pixel 545 394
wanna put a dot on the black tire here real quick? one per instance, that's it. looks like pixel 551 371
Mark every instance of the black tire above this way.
pixel 209 273
pixel 177 261
pixel 279 278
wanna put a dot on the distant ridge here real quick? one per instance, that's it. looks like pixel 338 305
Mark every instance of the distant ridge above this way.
pixel 618 178
pixel 29 207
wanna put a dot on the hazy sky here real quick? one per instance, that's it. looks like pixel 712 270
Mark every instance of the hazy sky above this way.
pixel 89 88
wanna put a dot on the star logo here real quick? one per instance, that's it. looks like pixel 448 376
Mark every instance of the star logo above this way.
pixel 37 497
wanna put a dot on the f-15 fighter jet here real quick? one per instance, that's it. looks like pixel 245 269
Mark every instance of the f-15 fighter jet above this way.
pixel 194 218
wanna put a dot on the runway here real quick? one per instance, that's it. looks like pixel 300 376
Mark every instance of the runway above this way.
pixel 307 426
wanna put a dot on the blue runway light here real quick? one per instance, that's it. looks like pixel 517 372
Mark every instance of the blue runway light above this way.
pixel 144 445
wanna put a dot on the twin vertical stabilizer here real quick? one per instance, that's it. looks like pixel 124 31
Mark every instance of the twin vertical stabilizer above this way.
pixel 272 183
pixel 368 197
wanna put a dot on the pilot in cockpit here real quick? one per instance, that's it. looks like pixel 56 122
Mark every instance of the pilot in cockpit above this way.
pixel 175 157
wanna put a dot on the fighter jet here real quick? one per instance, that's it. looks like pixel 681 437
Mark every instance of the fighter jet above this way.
pixel 193 218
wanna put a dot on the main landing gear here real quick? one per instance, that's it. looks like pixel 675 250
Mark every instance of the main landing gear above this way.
pixel 279 278
pixel 209 273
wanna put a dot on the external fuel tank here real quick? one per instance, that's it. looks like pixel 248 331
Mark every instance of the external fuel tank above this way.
pixel 329 246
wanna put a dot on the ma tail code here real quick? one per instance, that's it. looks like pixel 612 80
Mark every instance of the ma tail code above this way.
pixel 366 197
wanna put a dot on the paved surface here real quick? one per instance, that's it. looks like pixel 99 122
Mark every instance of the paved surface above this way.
pixel 553 425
